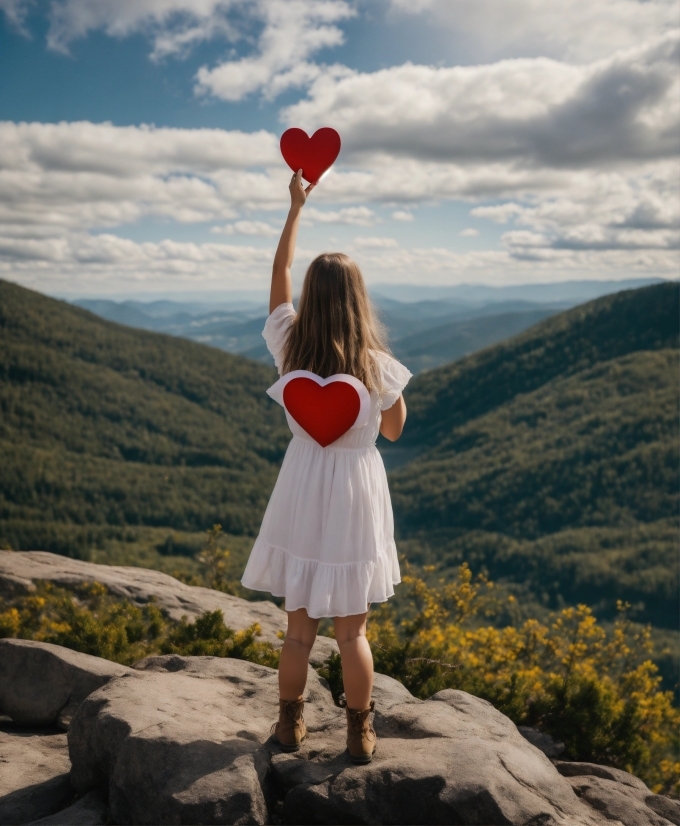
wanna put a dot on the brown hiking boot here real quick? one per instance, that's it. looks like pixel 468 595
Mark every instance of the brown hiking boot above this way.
pixel 361 736
pixel 290 731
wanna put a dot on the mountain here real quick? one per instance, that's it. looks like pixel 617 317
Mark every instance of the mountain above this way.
pixel 438 345
pixel 427 326
pixel 424 334
pixel 103 425
pixel 551 460
pixel 572 292
pixel 233 329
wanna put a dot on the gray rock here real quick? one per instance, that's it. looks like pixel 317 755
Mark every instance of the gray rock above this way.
pixel 665 806
pixel 187 740
pixel 181 740
pixel 451 759
pixel 543 741
pixel 43 684
pixel 89 810
pixel 388 692
pixel 576 769
pixel 13 586
pixel 619 795
pixel 19 569
pixel 34 775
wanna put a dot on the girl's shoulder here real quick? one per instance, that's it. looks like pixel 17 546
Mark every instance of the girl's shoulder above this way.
pixel 276 329
pixel 282 315
pixel 394 377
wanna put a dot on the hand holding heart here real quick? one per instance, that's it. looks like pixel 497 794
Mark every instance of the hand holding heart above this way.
pixel 298 192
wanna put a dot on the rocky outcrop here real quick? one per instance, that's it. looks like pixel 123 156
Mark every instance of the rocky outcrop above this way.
pixel 19 570
pixel 187 740
pixel 619 795
pixel 43 684
pixel 543 741
pixel 34 774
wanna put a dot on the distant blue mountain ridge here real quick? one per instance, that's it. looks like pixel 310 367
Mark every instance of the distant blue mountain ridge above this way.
pixel 427 326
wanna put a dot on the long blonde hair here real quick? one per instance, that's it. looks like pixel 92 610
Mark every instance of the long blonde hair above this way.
pixel 336 326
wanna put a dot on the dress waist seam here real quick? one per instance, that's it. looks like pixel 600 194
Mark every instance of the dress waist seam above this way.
pixel 332 448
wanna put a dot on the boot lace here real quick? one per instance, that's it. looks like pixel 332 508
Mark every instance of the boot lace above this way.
pixel 356 723
pixel 292 710
pixel 357 719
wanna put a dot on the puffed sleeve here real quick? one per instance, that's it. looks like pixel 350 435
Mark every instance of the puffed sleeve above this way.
pixel 276 329
pixel 395 377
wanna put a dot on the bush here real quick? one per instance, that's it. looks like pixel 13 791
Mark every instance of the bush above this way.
pixel 92 621
pixel 596 691
pixel 208 636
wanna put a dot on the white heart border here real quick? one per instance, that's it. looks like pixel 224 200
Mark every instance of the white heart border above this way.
pixel 276 391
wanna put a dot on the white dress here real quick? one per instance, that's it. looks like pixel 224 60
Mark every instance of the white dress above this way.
pixel 327 538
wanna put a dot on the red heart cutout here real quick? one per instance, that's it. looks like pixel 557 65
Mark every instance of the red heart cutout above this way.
pixel 325 412
pixel 312 155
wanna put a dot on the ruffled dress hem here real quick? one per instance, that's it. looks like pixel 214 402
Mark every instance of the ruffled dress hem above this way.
pixel 323 589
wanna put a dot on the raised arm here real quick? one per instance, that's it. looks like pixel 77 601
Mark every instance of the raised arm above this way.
pixel 282 286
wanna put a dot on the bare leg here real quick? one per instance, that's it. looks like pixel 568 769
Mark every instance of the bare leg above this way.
pixel 357 660
pixel 294 660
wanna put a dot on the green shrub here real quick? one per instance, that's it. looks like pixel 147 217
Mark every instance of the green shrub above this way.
pixel 92 621
pixel 595 690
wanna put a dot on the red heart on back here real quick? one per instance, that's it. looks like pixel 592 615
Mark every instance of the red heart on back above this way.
pixel 312 155
pixel 325 412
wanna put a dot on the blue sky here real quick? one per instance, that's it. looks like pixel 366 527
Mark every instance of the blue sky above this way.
pixel 487 141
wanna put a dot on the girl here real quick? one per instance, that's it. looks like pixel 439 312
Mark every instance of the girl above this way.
pixel 326 542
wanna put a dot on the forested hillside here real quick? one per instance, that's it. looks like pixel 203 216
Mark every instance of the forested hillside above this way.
pixel 552 459
pixel 456 338
pixel 102 425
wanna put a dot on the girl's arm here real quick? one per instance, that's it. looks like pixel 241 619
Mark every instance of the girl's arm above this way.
pixel 282 287
pixel 392 420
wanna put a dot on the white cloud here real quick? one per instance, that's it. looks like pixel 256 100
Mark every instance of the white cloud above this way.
pixel 79 262
pixel 174 26
pixel 358 216
pixel 572 30
pixel 261 228
pixel 443 266
pixel 570 142
pixel 611 212
pixel 16 12
pixel 469 232
pixel 538 112
pixel 127 151
pixel 294 30
pixel 500 213
pixel 584 156
pixel 84 175
pixel 59 181
pixel 375 242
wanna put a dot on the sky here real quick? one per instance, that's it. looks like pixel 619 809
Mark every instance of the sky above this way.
pixel 483 141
